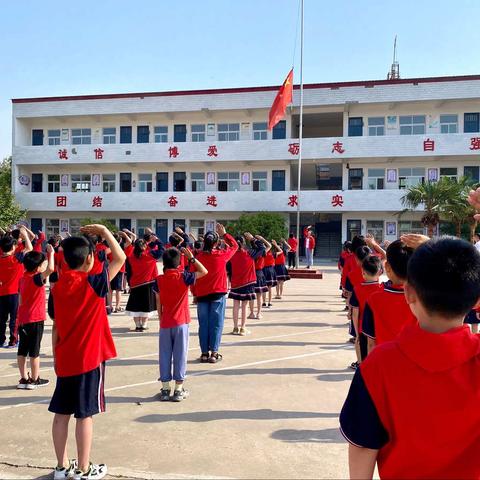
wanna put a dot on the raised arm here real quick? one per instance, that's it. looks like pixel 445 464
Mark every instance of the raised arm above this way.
pixel 50 262
pixel 277 247
pixel 26 240
pixel 287 246
pixel 230 242
pixel 371 242
pixel 268 245
pixel 200 270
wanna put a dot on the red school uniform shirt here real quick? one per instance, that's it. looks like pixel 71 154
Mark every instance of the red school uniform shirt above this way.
pixel 243 269
pixel 38 242
pixel 11 271
pixel 293 244
pixel 143 269
pixel 361 294
pixel 269 259
pixel 354 277
pixel 84 336
pixel 348 265
pixel 99 259
pixel 280 259
pixel 172 288
pixel 32 299
pixel 416 400
pixel 386 313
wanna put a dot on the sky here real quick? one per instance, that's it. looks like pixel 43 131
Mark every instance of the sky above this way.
pixel 53 47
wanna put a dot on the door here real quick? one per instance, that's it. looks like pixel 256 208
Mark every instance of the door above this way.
pixel 125 182
pixel 179 133
pixel 36 225
pixel 125 223
pixel 161 229
pixel 125 134
pixel 354 227
pixel 329 239
pixel 179 223
pixel 37 182
pixel 278 180
pixel 37 137
pixel 162 181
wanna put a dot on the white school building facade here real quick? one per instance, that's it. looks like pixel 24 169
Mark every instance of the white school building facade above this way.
pixel 193 158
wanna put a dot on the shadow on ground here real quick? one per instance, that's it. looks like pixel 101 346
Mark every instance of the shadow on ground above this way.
pixel 327 435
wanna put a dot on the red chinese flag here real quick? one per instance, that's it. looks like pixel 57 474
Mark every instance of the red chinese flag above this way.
pixel 283 98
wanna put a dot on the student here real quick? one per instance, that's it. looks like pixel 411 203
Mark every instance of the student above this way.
pixel 292 253
pixel 386 312
pixel 281 271
pixel 351 263
pixel 82 343
pixel 371 271
pixel 261 285
pixel 32 316
pixel 211 292
pixel 174 314
pixel 11 271
pixel 243 280
pixel 412 406
pixel 270 276
pixel 116 283
pixel 309 245
pixel 344 254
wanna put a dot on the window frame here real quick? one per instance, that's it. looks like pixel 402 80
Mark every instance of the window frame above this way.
pixel 373 128
pixel 451 127
pixel 87 182
pixel 197 181
pixel 53 186
pixel 198 132
pixel 107 183
pixel 403 180
pixel 55 138
pixel 160 136
pixel 379 180
pixel 412 124
pixel 260 131
pixel 145 185
pixel 231 178
pixel 83 136
pixel 260 181
pixel 109 138
pixel 228 132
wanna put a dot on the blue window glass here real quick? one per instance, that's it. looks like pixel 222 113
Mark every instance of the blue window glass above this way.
pixel 471 122
pixel 278 180
pixel 143 134
pixel 162 181
pixel 279 131
pixel 37 137
pixel 355 127
pixel 125 134
pixel 179 133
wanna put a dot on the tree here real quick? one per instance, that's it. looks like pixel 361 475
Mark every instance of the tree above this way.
pixel 10 210
pixel 433 196
pixel 268 225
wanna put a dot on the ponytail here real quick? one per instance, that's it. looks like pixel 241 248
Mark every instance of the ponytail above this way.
pixel 139 247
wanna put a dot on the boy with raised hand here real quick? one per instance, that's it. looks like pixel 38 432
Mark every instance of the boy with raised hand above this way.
pixel 412 408
pixel 82 343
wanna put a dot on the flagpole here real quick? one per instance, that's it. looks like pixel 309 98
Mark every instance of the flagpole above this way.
pixel 300 136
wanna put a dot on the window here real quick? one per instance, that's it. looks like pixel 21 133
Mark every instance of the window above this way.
pixel 81 136
pixel 355 126
pixel 54 137
pixel 142 224
pixel 375 228
pixel 74 226
pixel 354 228
pixel 125 134
pixel 412 125
pixel 179 181
pixel 143 134
pixel 197 227
pixel 179 133
pixel 355 179
pixel 279 131
pixel 228 181
pixel 448 123
pixel 259 130
pixel 449 173
pixel 125 223
pixel 198 133
pixel 37 137
pixel 81 182
pixel 471 122
pixel 161 134
pixel 259 181
pixel 145 183
pixel 376 178
pixel 228 132
pixel 472 172
pixel 37 182
pixel 108 182
pixel 407 226
pixel 278 180
pixel 52 227
pixel 36 225
pixel 198 181
pixel 53 182
pixel 125 182
pixel 376 126
pixel 110 135
pixel 409 177
pixel 162 181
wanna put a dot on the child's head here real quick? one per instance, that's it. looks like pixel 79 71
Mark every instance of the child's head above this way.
pixel 171 258
pixel 398 255
pixel 53 241
pixel 210 241
pixel 361 253
pixel 7 244
pixel 291 235
pixel 443 279
pixel 15 233
pixel 240 239
pixel 139 246
pixel 78 253
pixel 174 241
pixel 35 262
pixel 347 246
pixel 371 267
pixel 197 244
pixel 148 237
pixel 358 241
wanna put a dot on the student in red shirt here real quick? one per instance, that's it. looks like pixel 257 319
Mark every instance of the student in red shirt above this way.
pixel 11 271
pixel 211 292
pixel 292 253
pixel 412 408
pixel 32 315
pixel 281 271
pixel 174 314
pixel 117 282
pixel 261 285
pixel 371 271
pixel 82 343
pixel 309 245
pixel 270 275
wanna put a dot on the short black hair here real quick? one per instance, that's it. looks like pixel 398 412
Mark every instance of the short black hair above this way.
pixel 7 243
pixel 171 258
pixel 173 240
pixel 445 274
pixel 372 265
pixel 398 256
pixel 358 241
pixel 347 246
pixel 147 237
pixel 15 233
pixel 362 252
pixel 291 235
pixel 32 260
pixel 76 250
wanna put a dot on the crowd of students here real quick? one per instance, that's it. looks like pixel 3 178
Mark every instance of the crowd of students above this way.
pixel 87 275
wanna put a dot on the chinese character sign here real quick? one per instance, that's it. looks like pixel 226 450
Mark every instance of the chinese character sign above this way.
pixel 294 148
pixel 293 201
pixel 337 201
pixel 338 147
pixel 172 201
pixel 475 143
pixel 212 201
pixel 173 152
pixel 61 201
pixel 97 202
pixel 98 153
pixel 212 151
pixel 62 154
pixel 428 145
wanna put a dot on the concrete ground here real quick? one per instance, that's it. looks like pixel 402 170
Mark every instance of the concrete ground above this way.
pixel 268 410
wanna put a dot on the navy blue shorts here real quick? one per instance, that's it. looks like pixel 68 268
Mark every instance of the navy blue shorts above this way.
pixel 80 395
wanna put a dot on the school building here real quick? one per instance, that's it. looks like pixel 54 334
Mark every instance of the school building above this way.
pixel 192 158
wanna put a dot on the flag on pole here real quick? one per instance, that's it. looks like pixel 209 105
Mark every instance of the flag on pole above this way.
pixel 283 98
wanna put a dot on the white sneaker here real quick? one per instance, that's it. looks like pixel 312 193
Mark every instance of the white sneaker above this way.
pixel 62 473
pixel 95 472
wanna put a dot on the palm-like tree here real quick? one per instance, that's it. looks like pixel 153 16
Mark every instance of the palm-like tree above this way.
pixel 433 196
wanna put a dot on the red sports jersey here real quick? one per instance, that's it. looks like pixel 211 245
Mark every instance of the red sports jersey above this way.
pixel 354 276
pixel 143 269
pixel 280 259
pixel 425 388
pixel 349 263
pixel 386 313
pixel 259 263
pixel 11 271
pixel 38 247
pixel 243 269
pixel 361 294
pixel 269 259
pixel 32 299
pixel 84 336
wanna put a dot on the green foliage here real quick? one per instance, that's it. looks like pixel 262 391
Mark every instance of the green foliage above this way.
pixel 10 211
pixel 100 221
pixel 268 225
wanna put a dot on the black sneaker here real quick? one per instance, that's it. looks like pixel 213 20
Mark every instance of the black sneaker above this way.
pixel 95 472
pixel 179 395
pixel 61 472
pixel 12 344
pixel 25 384
pixel 264 304
pixel 354 365
pixel 165 395
pixel 40 382
pixel 269 305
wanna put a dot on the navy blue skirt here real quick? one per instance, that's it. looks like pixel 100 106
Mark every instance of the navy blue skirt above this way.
pixel 247 292
pixel 282 272
pixel 270 277
pixel 261 285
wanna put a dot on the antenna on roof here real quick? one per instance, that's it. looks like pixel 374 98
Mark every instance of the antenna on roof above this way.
pixel 394 73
